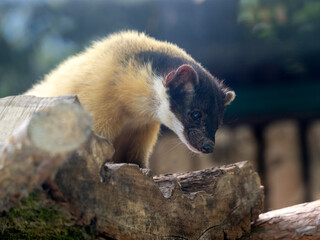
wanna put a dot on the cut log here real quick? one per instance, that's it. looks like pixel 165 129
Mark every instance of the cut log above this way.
pixel 123 201
pixel 217 203
pixel 15 110
pixel 297 222
pixel 39 148
pixel 45 140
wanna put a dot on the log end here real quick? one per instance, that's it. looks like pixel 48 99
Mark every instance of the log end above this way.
pixel 60 129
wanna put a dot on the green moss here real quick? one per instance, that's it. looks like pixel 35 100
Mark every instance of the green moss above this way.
pixel 37 218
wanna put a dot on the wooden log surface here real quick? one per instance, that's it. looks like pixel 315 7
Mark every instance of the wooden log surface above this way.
pixel 296 222
pixel 37 136
pixel 38 148
pixel 217 203
pixel 15 110
pixel 123 201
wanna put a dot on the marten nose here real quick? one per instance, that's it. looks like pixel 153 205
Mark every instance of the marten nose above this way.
pixel 207 147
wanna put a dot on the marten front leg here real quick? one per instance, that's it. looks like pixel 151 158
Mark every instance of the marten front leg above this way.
pixel 135 144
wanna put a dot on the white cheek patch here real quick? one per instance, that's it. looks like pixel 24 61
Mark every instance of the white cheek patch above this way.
pixel 178 128
pixel 167 117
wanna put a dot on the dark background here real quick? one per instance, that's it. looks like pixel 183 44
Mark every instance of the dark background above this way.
pixel 268 51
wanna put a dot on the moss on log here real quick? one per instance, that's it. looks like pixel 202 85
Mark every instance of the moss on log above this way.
pixel 37 217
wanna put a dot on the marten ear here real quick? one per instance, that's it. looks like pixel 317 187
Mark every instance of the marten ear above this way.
pixel 185 77
pixel 229 97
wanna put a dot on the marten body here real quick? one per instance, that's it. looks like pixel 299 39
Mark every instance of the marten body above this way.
pixel 131 83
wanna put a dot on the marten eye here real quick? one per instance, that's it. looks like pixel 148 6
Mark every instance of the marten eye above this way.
pixel 196 115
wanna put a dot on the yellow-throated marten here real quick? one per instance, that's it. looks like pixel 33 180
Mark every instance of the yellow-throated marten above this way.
pixel 131 83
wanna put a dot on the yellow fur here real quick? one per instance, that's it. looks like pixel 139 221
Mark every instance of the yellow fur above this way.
pixel 120 96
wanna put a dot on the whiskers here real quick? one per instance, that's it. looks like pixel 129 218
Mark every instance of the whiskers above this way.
pixel 174 144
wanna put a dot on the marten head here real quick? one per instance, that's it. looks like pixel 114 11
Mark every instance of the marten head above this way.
pixel 197 102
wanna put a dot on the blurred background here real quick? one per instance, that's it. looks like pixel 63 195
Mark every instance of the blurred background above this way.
pixel 267 51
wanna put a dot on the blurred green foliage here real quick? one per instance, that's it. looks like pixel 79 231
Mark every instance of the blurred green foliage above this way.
pixel 249 43
pixel 280 18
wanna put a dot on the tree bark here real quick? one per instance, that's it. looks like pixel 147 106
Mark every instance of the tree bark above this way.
pixel 297 222
pixel 217 203
pixel 122 201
